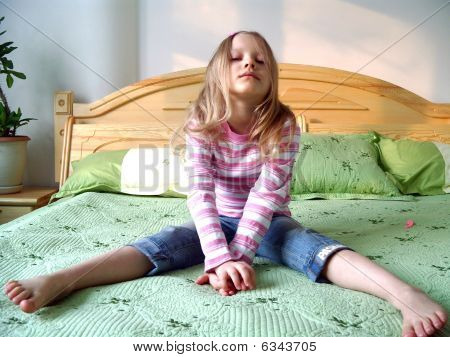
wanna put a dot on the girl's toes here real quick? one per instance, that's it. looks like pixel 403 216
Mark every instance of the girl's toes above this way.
pixel 10 285
pixel 436 321
pixel 442 315
pixel 428 327
pixel 28 305
pixel 408 331
pixel 418 328
pixel 14 292
pixel 23 295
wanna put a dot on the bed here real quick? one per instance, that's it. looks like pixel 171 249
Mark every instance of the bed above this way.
pixel 285 303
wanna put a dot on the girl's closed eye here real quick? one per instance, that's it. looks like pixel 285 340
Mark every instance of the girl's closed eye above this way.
pixel 237 59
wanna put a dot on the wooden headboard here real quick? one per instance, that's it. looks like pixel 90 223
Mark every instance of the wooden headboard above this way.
pixel 330 100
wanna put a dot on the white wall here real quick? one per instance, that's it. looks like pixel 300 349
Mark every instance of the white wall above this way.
pixel 120 42
pixel 344 34
pixel 88 46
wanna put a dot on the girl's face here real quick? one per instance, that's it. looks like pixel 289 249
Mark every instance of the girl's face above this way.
pixel 246 58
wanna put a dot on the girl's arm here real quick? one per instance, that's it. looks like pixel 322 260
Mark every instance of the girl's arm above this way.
pixel 201 202
pixel 267 196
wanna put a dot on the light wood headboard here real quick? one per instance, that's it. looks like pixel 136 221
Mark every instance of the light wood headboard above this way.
pixel 331 100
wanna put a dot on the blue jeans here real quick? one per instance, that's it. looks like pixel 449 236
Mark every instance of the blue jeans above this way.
pixel 286 242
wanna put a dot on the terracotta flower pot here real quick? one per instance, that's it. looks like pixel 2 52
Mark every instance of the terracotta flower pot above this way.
pixel 13 158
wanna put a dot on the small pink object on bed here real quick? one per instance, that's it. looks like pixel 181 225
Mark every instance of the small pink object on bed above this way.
pixel 409 224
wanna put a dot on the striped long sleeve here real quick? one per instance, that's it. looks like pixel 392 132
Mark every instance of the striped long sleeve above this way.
pixel 201 202
pixel 269 194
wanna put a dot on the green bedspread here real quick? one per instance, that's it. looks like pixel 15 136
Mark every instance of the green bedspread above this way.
pixel 285 302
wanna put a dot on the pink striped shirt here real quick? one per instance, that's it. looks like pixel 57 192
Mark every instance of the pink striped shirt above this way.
pixel 229 178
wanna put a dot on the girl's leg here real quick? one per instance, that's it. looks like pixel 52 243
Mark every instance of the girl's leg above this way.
pixel 421 315
pixel 324 259
pixel 125 263
pixel 174 247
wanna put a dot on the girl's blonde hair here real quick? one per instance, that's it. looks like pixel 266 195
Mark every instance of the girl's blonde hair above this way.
pixel 212 106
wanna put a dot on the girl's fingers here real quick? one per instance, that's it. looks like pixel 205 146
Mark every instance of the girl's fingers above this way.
pixel 224 285
pixel 210 278
pixel 216 283
pixel 202 279
pixel 230 287
pixel 225 288
pixel 240 273
pixel 235 277
pixel 224 276
pixel 224 292
pixel 248 276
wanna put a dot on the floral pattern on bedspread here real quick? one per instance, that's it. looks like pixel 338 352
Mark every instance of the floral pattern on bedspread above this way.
pixel 285 302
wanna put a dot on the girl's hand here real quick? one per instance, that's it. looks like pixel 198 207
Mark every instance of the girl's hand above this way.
pixel 225 288
pixel 241 274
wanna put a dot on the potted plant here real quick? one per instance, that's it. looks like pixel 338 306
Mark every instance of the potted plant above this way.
pixel 13 148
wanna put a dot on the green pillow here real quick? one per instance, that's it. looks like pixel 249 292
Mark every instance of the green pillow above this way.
pixel 340 166
pixel 416 167
pixel 137 171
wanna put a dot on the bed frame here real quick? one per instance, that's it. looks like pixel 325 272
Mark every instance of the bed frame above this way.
pixel 325 100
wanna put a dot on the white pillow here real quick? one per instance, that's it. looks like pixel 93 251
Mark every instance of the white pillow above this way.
pixel 154 171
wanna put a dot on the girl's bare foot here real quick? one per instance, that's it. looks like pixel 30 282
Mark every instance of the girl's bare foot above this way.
pixel 34 293
pixel 421 315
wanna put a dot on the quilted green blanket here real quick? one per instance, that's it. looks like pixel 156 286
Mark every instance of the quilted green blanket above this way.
pixel 285 302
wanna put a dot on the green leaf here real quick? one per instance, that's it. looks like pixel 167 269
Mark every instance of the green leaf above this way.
pixel 7 50
pixel 1 33
pixel 6 44
pixel 9 80
pixel 2 114
pixel 10 122
pixel 18 74
pixel 7 63
pixel 23 122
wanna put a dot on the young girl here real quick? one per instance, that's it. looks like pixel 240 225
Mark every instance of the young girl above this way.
pixel 242 143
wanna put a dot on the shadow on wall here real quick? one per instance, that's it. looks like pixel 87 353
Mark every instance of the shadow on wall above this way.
pixel 179 35
pixel 432 33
